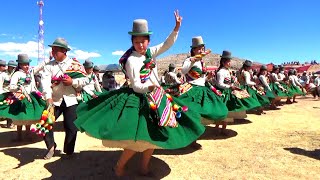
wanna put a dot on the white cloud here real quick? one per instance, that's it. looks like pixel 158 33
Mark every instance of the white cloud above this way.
pixel 118 53
pixel 80 54
pixel 3 34
pixel 12 49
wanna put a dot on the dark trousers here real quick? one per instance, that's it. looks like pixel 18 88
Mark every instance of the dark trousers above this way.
pixel 69 115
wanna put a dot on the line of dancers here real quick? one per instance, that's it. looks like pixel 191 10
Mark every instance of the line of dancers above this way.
pixel 144 114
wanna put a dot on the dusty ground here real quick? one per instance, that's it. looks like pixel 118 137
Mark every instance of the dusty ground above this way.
pixel 283 144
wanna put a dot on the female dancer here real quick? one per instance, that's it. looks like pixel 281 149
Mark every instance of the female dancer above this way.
pixel 141 117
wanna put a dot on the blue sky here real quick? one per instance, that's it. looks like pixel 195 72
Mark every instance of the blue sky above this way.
pixel 260 30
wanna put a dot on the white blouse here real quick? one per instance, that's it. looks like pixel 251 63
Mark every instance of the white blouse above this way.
pixel 187 65
pixel 264 82
pixel 30 87
pixel 247 78
pixel 223 74
pixel 93 85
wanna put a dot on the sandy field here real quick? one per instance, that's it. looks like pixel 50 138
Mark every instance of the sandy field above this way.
pixel 282 144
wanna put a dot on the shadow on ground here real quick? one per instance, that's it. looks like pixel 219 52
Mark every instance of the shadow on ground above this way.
pixel 315 154
pixel 7 139
pixel 240 122
pixel 87 164
pixel 211 133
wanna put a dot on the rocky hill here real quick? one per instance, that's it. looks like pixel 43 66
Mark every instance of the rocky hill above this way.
pixel 211 60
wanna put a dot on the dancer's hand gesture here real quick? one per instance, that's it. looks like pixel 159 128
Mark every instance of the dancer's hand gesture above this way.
pixel 178 20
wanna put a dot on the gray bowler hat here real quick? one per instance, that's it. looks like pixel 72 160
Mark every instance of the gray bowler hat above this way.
pixel 88 63
pixel 23 58
pixel 140 28
pixel 197 41
pixel 60 42
pixel 96 68
pixel 12 63
pixel 3 62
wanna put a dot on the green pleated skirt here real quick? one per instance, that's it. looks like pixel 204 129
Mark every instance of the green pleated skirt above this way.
pixel 278 92
pixel 262 99
pixel 295 90
pixel 22 112
pixel 123 119
pixel 235 104
pixel 206 102
pixel 86 96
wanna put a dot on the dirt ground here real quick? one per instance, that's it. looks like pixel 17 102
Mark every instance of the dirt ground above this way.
pixel 283 144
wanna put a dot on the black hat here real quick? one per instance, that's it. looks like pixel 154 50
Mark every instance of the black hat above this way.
pixel 290 72
pixel 263 67
pixel 281 67
pixel 226 55
pixel 275 67
pixel 247 63
pixel 171 65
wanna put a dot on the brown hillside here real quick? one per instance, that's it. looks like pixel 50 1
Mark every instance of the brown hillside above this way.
pixel 211 60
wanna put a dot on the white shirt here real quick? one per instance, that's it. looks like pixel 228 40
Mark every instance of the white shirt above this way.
pixel 3 88
pixel 171 78
pixel 281 76
pixel 20 74
pixel 93 84
pixel 247 78
pixel 317 81
pixel 223 74
pixel 187 65
pixel 264 82
pixel 61 92
pixel 275 77
pixel 135 62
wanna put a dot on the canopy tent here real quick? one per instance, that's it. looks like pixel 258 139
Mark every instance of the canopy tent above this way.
pixel 301 69
pixel 110 67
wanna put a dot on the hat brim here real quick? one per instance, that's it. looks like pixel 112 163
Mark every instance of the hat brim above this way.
pixel 226 57
pixel 55 45
pixel 197 46
pixel 140 33
pixel 248 65
pixel 87 67
pixel 24 62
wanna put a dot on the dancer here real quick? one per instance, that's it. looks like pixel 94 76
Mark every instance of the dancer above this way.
pixel 92 89
pixel 198 92
pixel 238 101
pixel 24 103
pixel 5 78
pixel 141 117
pixel 61 79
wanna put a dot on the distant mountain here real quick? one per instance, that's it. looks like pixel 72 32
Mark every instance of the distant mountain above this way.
pixel 210 60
